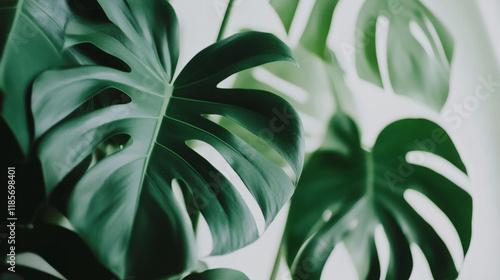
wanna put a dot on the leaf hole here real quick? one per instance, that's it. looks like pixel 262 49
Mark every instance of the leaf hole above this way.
pixel 339 265
pixel 381 42
pixel 441 166
pixel 204 238
pixel 179 188
pixel 278 84
pixel 421 269
pixel 100 57
pixel 419 35
pixel 109 146
pixel 438 43
pixel 105 98
pixel 219 162
pixel 382 245
pixel 438 220
pixel 259 144
pixel 228 82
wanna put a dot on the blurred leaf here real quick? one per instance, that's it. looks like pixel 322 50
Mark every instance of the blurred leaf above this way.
pixel 217 274
pixel 137 134
pixel 315 33
pixel 310 89
pixel 414 71
pixel 317 85
pixel 345 193
pixel 286 11
pixel 317 29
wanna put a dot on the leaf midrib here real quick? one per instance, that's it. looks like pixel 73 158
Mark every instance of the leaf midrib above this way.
pixel 153 142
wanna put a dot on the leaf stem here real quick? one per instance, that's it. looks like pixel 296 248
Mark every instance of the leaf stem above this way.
pixel 225 20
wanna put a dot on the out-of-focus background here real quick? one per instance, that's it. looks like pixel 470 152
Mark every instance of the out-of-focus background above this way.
pixel 473 25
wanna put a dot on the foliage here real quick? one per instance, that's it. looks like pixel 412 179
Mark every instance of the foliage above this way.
pixel 113 129
pixel 113 132
pixel 317 87
pixel 35 28
pixel 364 189
pixel 419 48
pixel 413 70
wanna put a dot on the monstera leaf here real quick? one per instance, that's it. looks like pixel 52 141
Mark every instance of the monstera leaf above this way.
pixel 217 274
pixel 124 205
pixel 420 70
pixel 364 189
pixel 313 87
pixel 29 28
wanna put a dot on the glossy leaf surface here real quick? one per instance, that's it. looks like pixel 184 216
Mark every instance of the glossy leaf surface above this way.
pixel 29 29
pixel 124 206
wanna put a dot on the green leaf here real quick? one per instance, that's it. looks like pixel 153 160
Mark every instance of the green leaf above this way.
pixel 315 88
pixel 316 32
pixel 217 274
pixel 364 189
pixel 413 71
pixel 127 192
pixel 317 29
pixel 286 11
pixel 30 28
pixel 312 89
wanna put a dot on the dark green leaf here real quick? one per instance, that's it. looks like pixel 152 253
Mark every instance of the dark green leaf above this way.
pixel 124 206
pixel 363 189
pixel 35 29
pixel 30 192
pixel 217 274
pixel 413 71
pixel 64 250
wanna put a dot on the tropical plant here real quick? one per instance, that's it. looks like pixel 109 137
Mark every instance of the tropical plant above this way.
pixel 417 43
pixel 111 136
pixel 113 133
pixel 317 88
pixel 350 191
